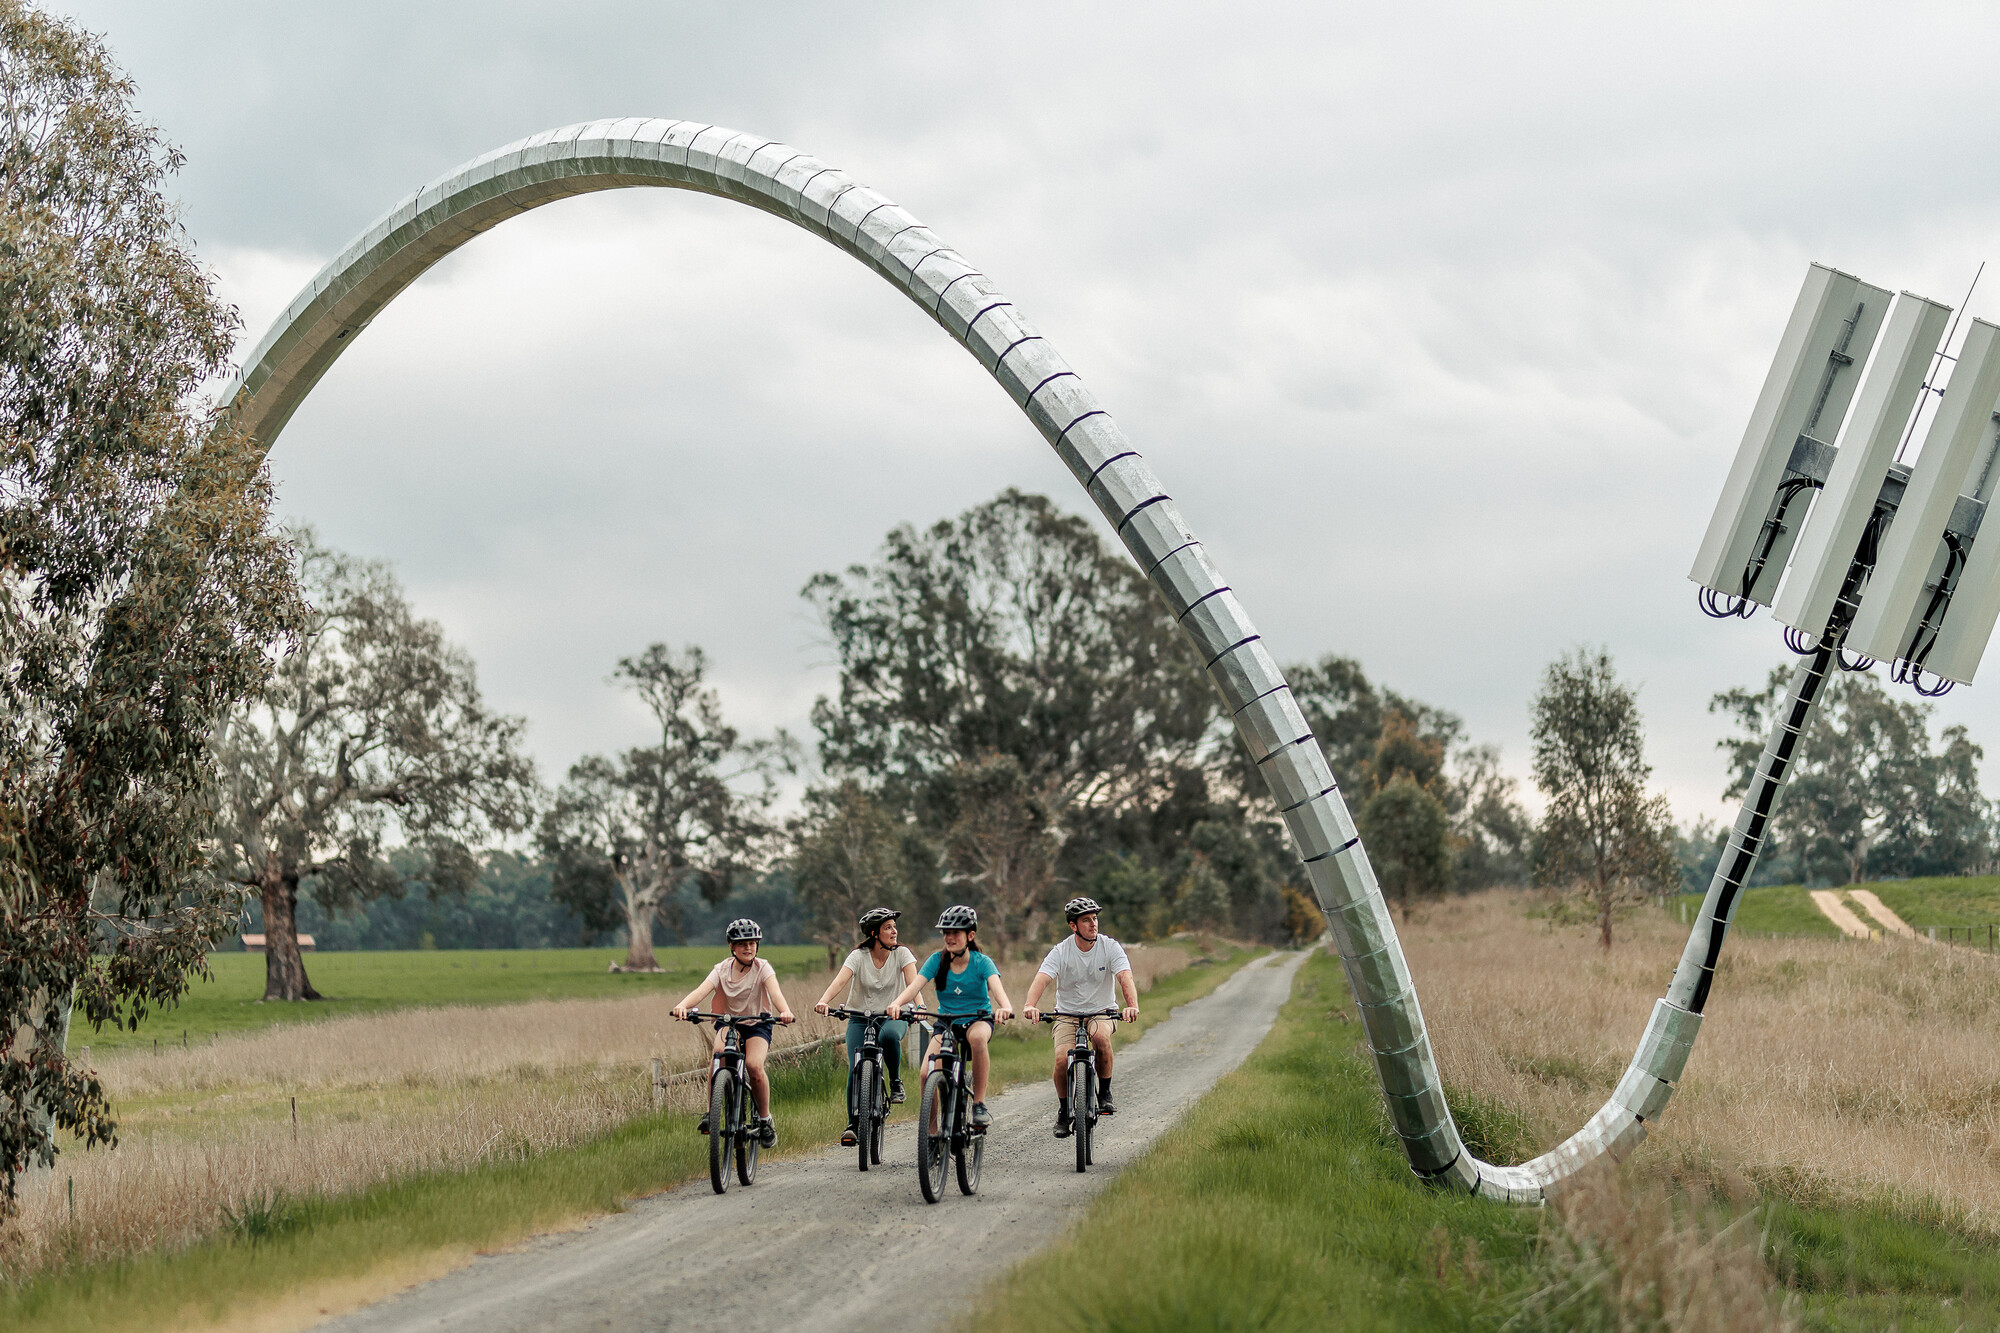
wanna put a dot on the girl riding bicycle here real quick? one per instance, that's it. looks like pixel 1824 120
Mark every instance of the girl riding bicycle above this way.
pixel 873 975
pixel 743 985
pixel 965 978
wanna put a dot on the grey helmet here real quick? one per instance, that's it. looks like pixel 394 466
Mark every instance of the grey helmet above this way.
pixel 743 928
pixel 873 918
pixel 1077 907
pixel 960 917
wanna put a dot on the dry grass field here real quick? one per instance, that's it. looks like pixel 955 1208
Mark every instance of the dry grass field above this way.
pixel 208 1133
pixel 1849 1070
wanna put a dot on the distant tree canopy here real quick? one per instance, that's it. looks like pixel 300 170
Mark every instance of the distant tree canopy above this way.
pixel 626 835
pixel 372 727
pixel 1014 693
pixel 142 587
pixel 1869 794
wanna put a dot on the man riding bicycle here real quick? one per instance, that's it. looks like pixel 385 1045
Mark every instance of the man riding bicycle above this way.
pixel 1085 968
pixel 965 978
pixel 744 985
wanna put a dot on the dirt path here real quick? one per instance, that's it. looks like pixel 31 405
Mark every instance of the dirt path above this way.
pixel 1838 912
pixel 1878 909
pixel 816 1245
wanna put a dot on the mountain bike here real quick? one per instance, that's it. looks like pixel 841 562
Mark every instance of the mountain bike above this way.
pixel 732 1122
pixel 867 1086
pixel 944 1116
pixel 1081 1079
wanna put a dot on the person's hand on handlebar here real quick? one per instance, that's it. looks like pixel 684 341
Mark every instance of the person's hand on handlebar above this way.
pixel 682 1010
pixel 896 1011
pixel 1131 1014
pixel 820 1009
pixel 1032 1014
pixel 1006 1015
pixel 785 1016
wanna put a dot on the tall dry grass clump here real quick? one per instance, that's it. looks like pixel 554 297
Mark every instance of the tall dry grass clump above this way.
pixel 208 1132
pixel 1861 1068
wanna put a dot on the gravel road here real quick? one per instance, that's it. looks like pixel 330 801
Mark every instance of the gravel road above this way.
pixel 816 1245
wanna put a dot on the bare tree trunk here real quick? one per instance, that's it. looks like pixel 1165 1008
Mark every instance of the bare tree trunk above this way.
pixel 639 914
pixel 284 967
pixel 1604 914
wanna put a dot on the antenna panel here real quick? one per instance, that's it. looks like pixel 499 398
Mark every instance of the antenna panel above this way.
pixel 1912 558
pixel 1832 535
pixel 1806 394
pixel 1975 604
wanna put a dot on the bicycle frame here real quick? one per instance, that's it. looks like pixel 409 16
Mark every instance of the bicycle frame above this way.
pixel 964 1139
pixel 738 1135
pixel 874 1100
pixel 1082 1064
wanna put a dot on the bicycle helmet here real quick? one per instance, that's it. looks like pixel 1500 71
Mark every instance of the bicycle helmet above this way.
pixel 874 917
pixel 1077 907
pixel 960 917
pixel 743 928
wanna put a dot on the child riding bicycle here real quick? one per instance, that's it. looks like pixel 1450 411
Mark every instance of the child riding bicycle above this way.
pixel 743 985
pixel 965 978
pixel 873 974
pixel 1084 967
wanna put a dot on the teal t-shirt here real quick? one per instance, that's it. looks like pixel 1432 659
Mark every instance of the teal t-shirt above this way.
pixel 960 993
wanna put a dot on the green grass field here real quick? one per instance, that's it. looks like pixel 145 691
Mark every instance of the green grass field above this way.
pixel 1782 909
pixel 342 1245
pixel 1283 1203
pixel 374 982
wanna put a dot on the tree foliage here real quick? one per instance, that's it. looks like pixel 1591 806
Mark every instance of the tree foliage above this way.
pixel 1403 823
pixel 141 585
pixel 372 725
pixel 1009 630
pixel 850 853
pixel 625 835
pixel 1604 837
pixel 1868 794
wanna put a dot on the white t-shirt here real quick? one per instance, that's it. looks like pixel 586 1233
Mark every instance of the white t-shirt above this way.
pixel 741 991
pixel 1086 982
pixel 874 988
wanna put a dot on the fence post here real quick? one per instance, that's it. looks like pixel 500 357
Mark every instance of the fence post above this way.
pixel 1933 934
pixel 659 1083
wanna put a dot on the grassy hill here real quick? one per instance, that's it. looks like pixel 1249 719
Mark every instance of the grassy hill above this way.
pixel 1784 909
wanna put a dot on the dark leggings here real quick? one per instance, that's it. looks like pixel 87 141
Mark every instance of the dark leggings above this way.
pixel 890 1039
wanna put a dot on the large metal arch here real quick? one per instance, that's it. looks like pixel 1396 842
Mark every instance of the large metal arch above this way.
pixel 324 319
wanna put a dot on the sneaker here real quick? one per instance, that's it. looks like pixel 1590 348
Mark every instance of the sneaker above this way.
pixel 1063 1126
pixel 981 1117
pixel 702 1128
pixel 896 1095
pixel 767 1133
pixel 1104 1107
pixel 848 1138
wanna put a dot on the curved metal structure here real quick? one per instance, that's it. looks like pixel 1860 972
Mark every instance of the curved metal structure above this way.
pixel 612 154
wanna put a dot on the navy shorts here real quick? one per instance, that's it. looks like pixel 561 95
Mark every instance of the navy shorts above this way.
pixel 763 1030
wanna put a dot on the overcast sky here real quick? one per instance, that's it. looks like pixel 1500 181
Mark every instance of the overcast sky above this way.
pixel 1441 322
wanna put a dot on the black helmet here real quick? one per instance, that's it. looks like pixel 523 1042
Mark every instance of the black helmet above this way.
pixel 872 919
pixel 960 917
pixel 743 928
pixel 1077 907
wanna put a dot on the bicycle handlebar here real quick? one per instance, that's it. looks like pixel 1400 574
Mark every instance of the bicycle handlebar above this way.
pixel 983 1016
pixel 1116 1015
pixel 733 1020
pixel 842 1011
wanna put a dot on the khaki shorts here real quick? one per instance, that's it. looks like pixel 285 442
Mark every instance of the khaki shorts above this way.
pixel 1065 1029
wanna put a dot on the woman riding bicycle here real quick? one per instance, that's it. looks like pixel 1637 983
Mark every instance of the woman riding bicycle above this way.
pixel 965 978
pixel 873 974
pixel 744 985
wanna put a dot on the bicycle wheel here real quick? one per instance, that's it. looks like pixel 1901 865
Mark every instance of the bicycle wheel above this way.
pixel 746 1135
pixel 864 1108
pixel 933 1135
pixel 880 1118
pixel 1079 1110
pixel 721 1102
pixel 969 1149
pixel 1090 1098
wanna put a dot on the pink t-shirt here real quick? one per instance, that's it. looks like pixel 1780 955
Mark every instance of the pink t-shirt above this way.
pixel 740 991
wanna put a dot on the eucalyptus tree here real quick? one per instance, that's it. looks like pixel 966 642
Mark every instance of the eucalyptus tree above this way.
pixel 141 584
pixel 625 835
pixel 371 727
pixel 1605 838
pixel 1869 792
pixel 850 853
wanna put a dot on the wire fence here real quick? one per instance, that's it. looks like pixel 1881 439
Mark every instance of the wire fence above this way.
pixel 1974 937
